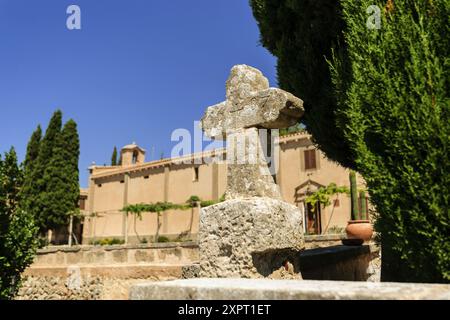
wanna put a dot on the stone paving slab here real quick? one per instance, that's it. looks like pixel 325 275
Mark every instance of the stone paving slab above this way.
pixel 265 289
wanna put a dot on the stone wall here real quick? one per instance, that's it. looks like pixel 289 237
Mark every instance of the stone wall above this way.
pixel 90 283
pixel 323 240
pixel 107 272
pixel 170 253
pixel 181 252
pixel 102 272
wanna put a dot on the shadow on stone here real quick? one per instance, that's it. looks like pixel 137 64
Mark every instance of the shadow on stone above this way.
pixel 270 261
pixel 350 263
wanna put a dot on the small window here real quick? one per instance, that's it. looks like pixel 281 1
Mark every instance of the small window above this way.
pixel 82 204
pixel 196 173
pixel 310 159
pixel 135 157
pixel 122 181
pixel 146 177
pixel 336 203
pixel 99 185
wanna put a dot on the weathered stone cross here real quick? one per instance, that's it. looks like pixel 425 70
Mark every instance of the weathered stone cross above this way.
pixel 250 105
pixel 254 233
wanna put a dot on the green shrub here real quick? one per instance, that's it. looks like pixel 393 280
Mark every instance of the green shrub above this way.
pixel 116 241
pixel 107 242
pixel 193 199
pixel 18 232
pixel 294 129
pixel 207 203
pixel 163 239
pixel 392 89
pixel 43 242
pixel 336 230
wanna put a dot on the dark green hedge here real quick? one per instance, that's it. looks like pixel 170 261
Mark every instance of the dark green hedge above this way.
pixel 301 34
pixel 389 90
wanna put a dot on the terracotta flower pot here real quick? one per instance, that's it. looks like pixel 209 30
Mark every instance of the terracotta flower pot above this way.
pixel 359 229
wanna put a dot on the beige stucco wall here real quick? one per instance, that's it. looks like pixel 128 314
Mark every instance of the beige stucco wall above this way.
pixel 167 181
pixel 293 175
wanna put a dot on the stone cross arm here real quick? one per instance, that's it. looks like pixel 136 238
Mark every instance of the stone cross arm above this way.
pixel 251 103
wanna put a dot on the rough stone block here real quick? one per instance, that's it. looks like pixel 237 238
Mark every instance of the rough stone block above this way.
pixel 249 238
pixel 190 271
pixel 119 256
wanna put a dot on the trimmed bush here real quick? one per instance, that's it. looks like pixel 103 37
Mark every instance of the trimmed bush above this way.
pixel 163 239
pixel 381 108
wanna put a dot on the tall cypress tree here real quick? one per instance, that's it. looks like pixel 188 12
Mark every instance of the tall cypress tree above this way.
pixel 303 34
pixel 61 178
pixel 29 164
pixel 114 157
pixel 33 149
pixel 72 154
pixel 39 205
pixel 51 191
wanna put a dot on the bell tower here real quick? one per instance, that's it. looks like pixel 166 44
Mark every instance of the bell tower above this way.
pixel 131 155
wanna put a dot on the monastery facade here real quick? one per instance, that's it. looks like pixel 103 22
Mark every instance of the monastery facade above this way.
pixel 302 170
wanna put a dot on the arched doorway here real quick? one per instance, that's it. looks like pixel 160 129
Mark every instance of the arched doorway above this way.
pixel 312 216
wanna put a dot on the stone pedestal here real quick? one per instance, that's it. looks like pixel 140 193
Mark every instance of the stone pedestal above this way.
pixel 250 238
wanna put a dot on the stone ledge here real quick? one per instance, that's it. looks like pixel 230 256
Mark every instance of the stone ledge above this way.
pixel 141 271
pixel 264 289
pixel 325 237
pixel 123 255
pixel 188 244
pixel 161 245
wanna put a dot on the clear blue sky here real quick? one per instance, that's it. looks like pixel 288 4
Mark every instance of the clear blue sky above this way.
pixel 137 70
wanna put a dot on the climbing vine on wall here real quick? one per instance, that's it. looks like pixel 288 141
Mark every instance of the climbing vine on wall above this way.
pixel 323 195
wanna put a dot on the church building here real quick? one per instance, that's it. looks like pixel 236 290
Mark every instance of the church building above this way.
pixel 302 170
